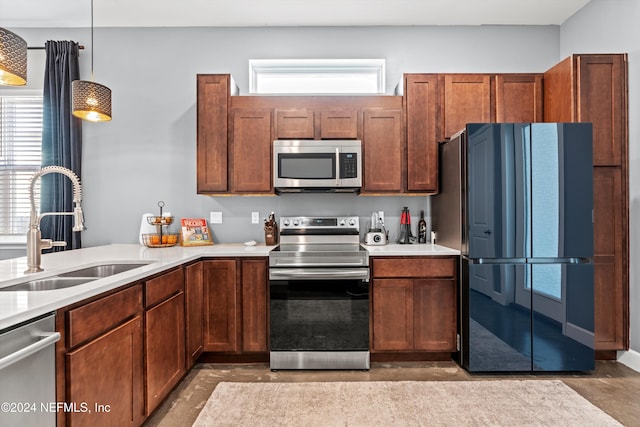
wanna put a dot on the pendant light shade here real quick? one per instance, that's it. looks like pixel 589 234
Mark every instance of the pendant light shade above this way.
pixel 13 59
pixel 91 101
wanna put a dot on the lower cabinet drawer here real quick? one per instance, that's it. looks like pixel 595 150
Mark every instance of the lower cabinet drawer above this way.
pixel 163 287
pixel 414 267
pixel 97 317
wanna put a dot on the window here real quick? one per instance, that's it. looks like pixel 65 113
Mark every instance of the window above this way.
pixel 20 157
pixel 325 76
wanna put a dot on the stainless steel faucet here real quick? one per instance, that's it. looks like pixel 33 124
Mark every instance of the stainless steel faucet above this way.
pixel 35 242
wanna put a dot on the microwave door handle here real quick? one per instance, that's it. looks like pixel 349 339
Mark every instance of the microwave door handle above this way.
pixel 337 167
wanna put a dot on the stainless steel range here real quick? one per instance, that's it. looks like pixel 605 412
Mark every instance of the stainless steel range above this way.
pixel 319 295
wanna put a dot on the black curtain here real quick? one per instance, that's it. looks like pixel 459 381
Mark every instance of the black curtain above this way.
pixel 61 141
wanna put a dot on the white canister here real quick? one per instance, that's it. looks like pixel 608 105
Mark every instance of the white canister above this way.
pixel 145 227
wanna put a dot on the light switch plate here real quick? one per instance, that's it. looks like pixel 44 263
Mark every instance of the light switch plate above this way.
pixel 215 217
pixel 255 217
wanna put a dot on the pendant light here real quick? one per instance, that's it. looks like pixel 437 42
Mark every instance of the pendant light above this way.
pixel 13 59
pixel 90 100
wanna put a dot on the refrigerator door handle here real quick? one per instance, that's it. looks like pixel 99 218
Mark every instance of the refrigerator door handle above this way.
pixel 497 260
pixel 573 260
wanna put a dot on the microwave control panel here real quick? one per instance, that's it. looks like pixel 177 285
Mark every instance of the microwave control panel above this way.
pixel 348 165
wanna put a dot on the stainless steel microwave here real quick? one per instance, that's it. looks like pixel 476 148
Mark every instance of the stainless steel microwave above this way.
pixel 317 165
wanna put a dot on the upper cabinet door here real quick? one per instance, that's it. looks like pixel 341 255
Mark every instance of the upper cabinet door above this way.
pixel 518 98
pixel 421 106
pixel 213 96
pixel 294 124
pixel 467 99
pixel 251 151
pixel 383 150
pixel 339 124
pixel 602 100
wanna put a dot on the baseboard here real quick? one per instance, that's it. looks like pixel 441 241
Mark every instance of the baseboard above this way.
pixel 630 358
pixel 579 334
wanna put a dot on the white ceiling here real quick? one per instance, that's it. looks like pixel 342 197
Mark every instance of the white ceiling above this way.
pixel 171 13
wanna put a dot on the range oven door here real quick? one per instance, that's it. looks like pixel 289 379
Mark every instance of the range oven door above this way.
pixel 318 310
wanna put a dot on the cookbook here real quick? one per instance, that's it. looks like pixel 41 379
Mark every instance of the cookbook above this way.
pixel 195 232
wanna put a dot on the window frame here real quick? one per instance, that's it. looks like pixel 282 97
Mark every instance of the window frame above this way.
pixel 327 67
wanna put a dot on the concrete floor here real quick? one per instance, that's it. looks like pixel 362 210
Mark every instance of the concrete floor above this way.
pixel 612 387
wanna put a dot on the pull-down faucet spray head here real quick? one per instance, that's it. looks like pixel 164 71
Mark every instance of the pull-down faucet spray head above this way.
pixel 35 243
pixel 78 217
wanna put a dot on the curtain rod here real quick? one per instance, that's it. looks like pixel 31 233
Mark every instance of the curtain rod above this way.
pixel 43 48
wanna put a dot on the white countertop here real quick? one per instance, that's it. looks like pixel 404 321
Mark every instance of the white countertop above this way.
pixel 20 306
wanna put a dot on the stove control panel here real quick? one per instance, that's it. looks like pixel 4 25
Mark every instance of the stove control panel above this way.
pixel 319 223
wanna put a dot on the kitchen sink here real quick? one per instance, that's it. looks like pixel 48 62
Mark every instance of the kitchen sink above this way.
pixel 49 284
pixel 73 278
pixel 104 270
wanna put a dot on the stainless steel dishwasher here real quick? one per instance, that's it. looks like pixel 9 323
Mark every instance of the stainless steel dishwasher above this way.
pixel 27 373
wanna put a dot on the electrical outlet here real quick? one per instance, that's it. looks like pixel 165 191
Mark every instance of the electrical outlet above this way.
pixel 255 217
pixel 381 216
pixel 215 217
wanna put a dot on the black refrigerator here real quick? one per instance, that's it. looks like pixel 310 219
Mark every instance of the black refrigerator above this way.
pixel 517 200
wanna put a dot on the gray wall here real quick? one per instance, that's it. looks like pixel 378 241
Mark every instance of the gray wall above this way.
pixel 147 153
pixel 612 26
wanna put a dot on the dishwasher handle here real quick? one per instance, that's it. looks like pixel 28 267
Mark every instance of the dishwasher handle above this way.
pixel 47 340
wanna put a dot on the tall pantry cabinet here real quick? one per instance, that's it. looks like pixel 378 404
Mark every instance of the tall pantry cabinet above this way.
pixel 593 88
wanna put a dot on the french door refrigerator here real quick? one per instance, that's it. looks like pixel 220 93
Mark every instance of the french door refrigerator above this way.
pixel 517 200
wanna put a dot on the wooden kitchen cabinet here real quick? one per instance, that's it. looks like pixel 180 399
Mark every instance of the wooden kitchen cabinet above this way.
pixel 308 123
pixel 212 162
pixel 164 336
pixel 194 312
pixel 518 98
pixel 338 124
pixel 235 133
pixel 593 88
pixel 251 151
pixel 392 314
pixel 414 304
pixel 609 273
pixel 255 300
pixel 439 105
pixel 221 306
pixel 434 314
pixel 235 309
pixel 467 99
pixel 103 360
pixel 108 371
pixel 294 124
pixel 421 103
pixel 233 147
pixel 383 151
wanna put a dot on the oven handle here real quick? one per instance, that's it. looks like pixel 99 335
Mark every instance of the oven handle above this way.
pixel 326 264
pixel 319 273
